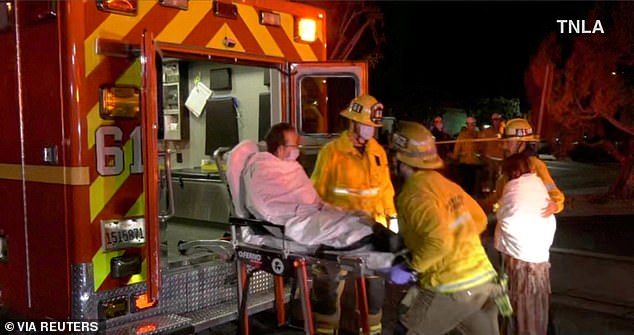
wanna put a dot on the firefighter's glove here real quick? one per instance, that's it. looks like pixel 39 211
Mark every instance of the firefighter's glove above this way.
pixel 385 240
pixel 398 274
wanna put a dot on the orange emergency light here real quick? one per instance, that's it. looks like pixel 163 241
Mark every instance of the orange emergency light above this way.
pixel 125 7
pixel 305 30
pixel 119 101
pixel 142 302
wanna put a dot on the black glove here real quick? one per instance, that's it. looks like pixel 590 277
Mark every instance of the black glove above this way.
pixel 386 240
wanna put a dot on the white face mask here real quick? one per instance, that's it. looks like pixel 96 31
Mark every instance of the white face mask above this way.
pixel 366 132
pixel 293 153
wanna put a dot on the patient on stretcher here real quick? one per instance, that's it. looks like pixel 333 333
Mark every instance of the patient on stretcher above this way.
pixel 272 186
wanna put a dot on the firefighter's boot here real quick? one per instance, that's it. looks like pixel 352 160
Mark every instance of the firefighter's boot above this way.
pixel 376 296
pixel 374 321
pixel 325 297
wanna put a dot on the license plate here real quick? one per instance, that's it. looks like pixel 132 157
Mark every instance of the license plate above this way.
pixel 120 234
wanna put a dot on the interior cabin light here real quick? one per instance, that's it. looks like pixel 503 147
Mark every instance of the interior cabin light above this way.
pixel 119 101
pixel 306 30
pixel 126 7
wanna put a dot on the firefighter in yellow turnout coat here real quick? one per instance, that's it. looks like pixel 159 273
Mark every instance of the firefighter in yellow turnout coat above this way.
pixel 441 226
pixel 352 172
pixel 517 133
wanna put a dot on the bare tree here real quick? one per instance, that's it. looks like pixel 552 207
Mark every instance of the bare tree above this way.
pixel 591 91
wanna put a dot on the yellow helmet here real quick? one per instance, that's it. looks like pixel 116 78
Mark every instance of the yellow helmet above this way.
pixel 519 130
pixel 416 146
pixel 366 110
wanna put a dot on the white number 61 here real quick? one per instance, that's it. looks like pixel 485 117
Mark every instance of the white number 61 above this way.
pixel 110 160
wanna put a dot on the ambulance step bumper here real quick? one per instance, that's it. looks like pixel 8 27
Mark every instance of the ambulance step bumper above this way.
pixel 161 324
pixel 209 317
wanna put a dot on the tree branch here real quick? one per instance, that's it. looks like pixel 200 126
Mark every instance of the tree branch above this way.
pixel 344 28
pixel 355 40
pixel 616 123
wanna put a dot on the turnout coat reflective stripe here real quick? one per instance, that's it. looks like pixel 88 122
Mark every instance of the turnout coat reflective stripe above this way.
pixel 347 178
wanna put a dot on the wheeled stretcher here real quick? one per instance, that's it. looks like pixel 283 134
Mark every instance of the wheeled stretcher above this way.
pixel 263 246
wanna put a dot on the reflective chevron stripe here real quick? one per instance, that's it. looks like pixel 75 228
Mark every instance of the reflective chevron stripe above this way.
pixel 197 26
pixel 121 195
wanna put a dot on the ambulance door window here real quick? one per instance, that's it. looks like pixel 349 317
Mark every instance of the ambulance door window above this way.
pixel 322 98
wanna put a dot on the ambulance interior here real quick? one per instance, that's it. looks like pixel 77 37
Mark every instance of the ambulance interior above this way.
pixel 245 99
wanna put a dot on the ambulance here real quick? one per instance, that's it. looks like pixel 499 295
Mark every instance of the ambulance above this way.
pixel 111 111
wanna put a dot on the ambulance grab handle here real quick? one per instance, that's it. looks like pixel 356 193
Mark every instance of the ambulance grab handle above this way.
pixel 170 189
pixel 217 155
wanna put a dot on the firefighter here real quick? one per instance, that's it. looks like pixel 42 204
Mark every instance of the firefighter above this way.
pixel 464 152
pixel 352 172
pixel 441 226
pixel 517 134
pixel 492 152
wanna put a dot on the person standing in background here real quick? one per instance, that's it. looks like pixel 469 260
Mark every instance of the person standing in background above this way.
pixel 438 130
pixel 465 153
pixel 492 152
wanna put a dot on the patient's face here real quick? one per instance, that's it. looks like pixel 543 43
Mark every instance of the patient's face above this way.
pixel 291 138
pixel 290 149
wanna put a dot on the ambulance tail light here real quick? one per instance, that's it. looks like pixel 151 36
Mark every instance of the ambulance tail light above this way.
pixel 119 101
pixel 142 302
pixel 145 329
pixel 125 7
pixel 305 30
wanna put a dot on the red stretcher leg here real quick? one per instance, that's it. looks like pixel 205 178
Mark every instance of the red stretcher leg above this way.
pixel 302 279
pixel 362 302
pixel 243 282
pixel 279 300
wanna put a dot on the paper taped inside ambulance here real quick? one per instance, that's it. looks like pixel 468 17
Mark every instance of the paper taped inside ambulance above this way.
pixel 198 98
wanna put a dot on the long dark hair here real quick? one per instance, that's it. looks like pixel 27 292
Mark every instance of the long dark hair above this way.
pixel 516 165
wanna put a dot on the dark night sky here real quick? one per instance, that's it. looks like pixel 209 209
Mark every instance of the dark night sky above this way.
pixel 452 51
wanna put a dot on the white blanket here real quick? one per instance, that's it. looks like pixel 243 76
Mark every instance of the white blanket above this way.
pixel 521 231
pixel 280 192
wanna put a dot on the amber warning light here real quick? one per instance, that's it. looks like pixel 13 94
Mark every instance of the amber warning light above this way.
pixel 306 30
pixel 126 7
pixel 142 302
pixel 119 101
pixel 145 329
